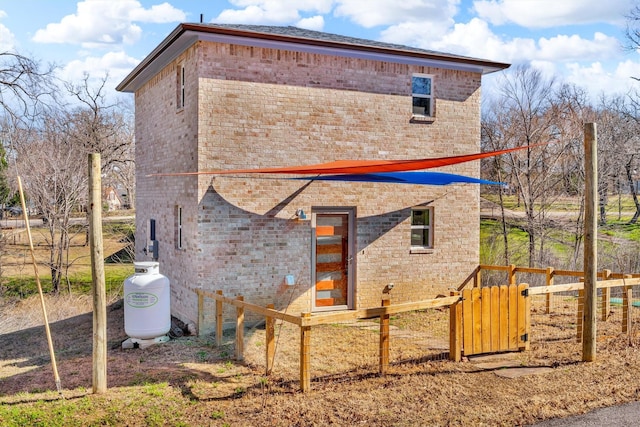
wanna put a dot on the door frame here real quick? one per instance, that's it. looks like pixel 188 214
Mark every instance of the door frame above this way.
pixel 350 211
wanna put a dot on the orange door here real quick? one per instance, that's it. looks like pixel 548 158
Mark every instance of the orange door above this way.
pixel 333 261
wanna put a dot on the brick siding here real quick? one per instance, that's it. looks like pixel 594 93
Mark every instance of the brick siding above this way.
pixel 249 107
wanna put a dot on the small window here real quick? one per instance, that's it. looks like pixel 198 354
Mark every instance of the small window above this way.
pixel 180 86
pixel 422 93
pixel 422 228
pixel 178 227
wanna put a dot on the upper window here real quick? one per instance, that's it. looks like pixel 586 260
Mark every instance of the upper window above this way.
pixel 422 228
pixel 181 81
pixel 422 93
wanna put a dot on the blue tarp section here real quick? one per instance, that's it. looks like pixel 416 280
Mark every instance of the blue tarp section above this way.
pixel 421 178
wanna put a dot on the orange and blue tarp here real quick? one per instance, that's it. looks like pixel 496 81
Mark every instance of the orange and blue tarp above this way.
pixel 398 171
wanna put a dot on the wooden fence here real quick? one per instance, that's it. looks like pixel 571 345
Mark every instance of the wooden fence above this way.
pixel 607 280
pixel 306 321
pixel 457 335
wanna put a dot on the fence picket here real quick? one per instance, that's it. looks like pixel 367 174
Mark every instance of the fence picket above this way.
pixel 495 318
pixel 504 317
pixel 476 304
pixel 467 322
pixel 513 318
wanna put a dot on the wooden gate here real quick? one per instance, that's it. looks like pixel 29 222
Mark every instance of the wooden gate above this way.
pixel 495 319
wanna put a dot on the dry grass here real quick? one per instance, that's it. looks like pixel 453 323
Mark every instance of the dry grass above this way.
pixel 16 262
pixel 188 381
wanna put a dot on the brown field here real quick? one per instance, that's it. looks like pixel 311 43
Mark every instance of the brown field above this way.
pixel 189 381
pixel 16 261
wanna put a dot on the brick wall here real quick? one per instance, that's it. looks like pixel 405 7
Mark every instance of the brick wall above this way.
pixel 253 107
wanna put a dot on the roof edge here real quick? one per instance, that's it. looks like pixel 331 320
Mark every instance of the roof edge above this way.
pixel 487 66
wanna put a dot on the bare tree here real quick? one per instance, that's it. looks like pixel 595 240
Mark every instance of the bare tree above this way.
pixel 547 119
pixel 528 119
pixel 97 125
pixel 25 89
pixel 55 182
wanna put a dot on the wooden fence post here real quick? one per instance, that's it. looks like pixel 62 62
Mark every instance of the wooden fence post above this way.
pixel 240 330
pixel 384 339
pixel 512 274
pixel 590 242
pixel 219 320
pixel 477 278
pixel 605 306
pixel 270 339
pixel 550 281
pixel 627 303
pixel 200 312
pixel 97 276
pixel 455 330
pixel 305 354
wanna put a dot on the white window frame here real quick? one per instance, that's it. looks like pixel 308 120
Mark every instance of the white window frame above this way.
pixel 429 96
pixel 428 227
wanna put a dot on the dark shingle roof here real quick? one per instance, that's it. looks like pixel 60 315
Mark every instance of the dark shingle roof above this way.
pixel 301 33
pixel 319 35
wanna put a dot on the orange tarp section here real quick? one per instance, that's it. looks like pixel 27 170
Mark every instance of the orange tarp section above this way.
pixel 359 166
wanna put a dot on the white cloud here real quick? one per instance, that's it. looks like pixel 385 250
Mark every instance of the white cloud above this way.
pixel 114 64
pixel 371 13
pixel 477 39
pixel 274 11
pixel 552 13
pixel 575 48
pixel 628 69
pixel 7 39
pixel 104 22
pixel 157 14
pixel 314 23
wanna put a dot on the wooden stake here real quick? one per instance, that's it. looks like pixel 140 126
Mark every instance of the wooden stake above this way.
pixel 384 339
pixel 240 330
pixel 201 313
pixel 42 304
pixel 590 242
pixel 270 332
pixel 305 355
pixel 97 276
pixel 549 283
pixel 455 330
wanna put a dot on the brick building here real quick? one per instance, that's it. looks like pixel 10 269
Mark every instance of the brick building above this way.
pixel 219 97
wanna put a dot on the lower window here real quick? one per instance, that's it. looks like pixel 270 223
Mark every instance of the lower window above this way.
pixel 422 228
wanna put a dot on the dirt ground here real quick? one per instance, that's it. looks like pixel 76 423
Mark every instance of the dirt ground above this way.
pixel 422 388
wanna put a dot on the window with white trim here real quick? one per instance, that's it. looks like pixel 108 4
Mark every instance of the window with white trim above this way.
pixel 422 94
pixel 422 228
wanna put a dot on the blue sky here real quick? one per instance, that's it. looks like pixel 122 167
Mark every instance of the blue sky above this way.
pixel 580 41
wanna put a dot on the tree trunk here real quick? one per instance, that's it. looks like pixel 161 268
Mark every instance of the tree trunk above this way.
pixel 505 234
pixel 634 193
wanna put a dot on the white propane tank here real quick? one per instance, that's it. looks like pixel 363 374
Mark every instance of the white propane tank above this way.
pixel 147 310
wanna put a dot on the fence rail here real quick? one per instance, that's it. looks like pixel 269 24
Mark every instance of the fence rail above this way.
pixel 550 274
